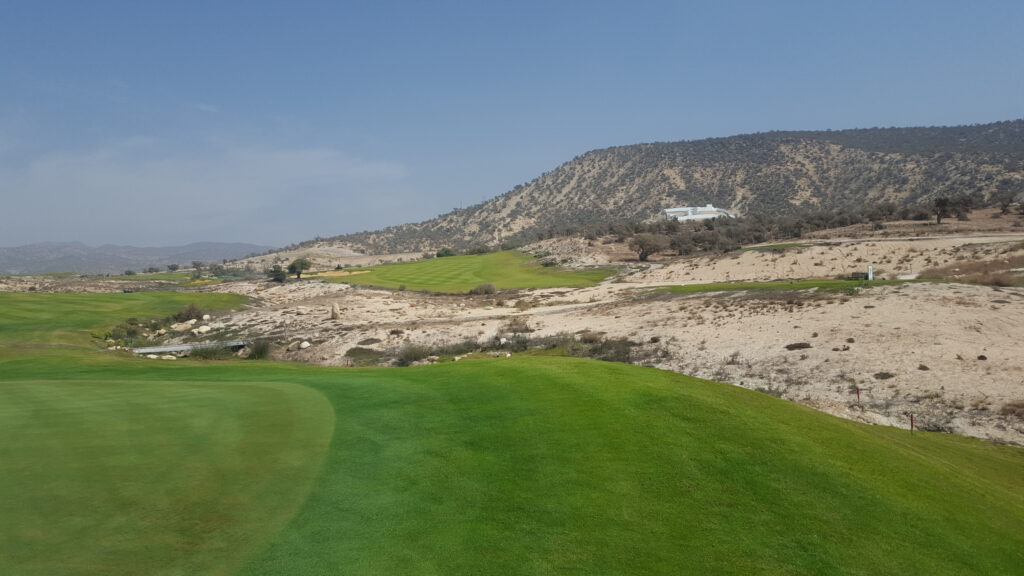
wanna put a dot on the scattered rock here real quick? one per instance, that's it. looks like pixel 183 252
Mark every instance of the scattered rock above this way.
pixel 982 357
pixel 335 311
pixel 168 357
pixel 206 317
pixel 161 332
pixel 152 356
pixel 798 346
pixel 304 345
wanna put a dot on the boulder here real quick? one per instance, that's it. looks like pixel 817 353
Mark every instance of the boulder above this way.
pixel 152 356
pixel 335 312
pixel 168 357
pixel 304 345
pixel 204 329
pixel 206 317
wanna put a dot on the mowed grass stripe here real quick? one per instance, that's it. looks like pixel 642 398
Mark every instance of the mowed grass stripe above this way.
pixel 559 466
pixel 506 270
pixel 136 477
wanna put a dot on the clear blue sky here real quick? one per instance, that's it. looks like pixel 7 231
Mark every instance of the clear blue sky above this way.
pixel 156 123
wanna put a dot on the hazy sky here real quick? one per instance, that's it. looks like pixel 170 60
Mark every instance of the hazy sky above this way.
pixel 156 123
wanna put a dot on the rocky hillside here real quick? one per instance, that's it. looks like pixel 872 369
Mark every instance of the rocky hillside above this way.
pixel 775 172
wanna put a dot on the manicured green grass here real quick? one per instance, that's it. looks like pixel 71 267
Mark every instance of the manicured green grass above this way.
pixel 454 274
pixel 117 465
pixel 783 286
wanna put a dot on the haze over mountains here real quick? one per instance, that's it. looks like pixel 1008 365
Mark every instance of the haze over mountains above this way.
pixel 76 257
pixel 774 173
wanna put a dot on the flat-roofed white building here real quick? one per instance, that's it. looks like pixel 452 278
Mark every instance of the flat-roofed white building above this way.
pixel 684 213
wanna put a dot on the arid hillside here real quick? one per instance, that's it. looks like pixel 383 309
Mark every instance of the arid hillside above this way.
pixel 769 173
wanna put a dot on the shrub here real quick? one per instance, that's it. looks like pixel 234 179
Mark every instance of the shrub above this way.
pixel 190 312
pixel 259 349
pixel 485 288
pixel 516 325
pixel 615 350
pixel 798 346
pixel 1015 408
pixel 363 356
pixel 210 353
pixel 412 353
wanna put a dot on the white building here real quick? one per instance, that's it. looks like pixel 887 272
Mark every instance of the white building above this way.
pixel 685 213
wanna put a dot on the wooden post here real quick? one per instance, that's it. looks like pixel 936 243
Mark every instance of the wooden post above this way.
pixel 911 423
pixel 858 393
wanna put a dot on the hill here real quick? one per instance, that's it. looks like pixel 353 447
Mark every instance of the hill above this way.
pixel 47 257
pixel 774 173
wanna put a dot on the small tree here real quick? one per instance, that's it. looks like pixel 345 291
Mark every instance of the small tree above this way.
pixel 646 245
pixel 445 252
pixel 940 206
pixel 172 267
pixel 196 264
pixel 277 274
pixel 298 265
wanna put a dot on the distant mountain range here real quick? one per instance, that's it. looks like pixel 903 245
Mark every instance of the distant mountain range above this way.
pixel 773 173
pixel 76 257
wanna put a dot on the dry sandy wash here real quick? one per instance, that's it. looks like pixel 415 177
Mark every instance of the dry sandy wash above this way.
pixel 947 353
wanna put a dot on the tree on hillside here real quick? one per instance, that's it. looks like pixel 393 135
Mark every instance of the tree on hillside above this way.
pixel 646 245
pixel 940 207
pixel 298 265
pixel 277 274
pixel 172 267
pixel 445 252
pixel 1005 194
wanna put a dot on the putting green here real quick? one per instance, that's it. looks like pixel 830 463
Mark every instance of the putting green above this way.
pixel 135 477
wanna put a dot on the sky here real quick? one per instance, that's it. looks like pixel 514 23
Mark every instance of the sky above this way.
pixel 163 123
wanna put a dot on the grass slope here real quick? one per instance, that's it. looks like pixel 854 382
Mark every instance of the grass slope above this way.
pixel 518 466
pixel 506 270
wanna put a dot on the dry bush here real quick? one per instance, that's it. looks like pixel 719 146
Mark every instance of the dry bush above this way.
pixel 1015 408
pixel 987 272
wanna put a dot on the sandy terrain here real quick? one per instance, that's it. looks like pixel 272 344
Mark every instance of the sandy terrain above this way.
pixel 947 353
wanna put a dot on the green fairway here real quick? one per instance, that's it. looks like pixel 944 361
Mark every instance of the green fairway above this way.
pixel 117 465
pixel 506 270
